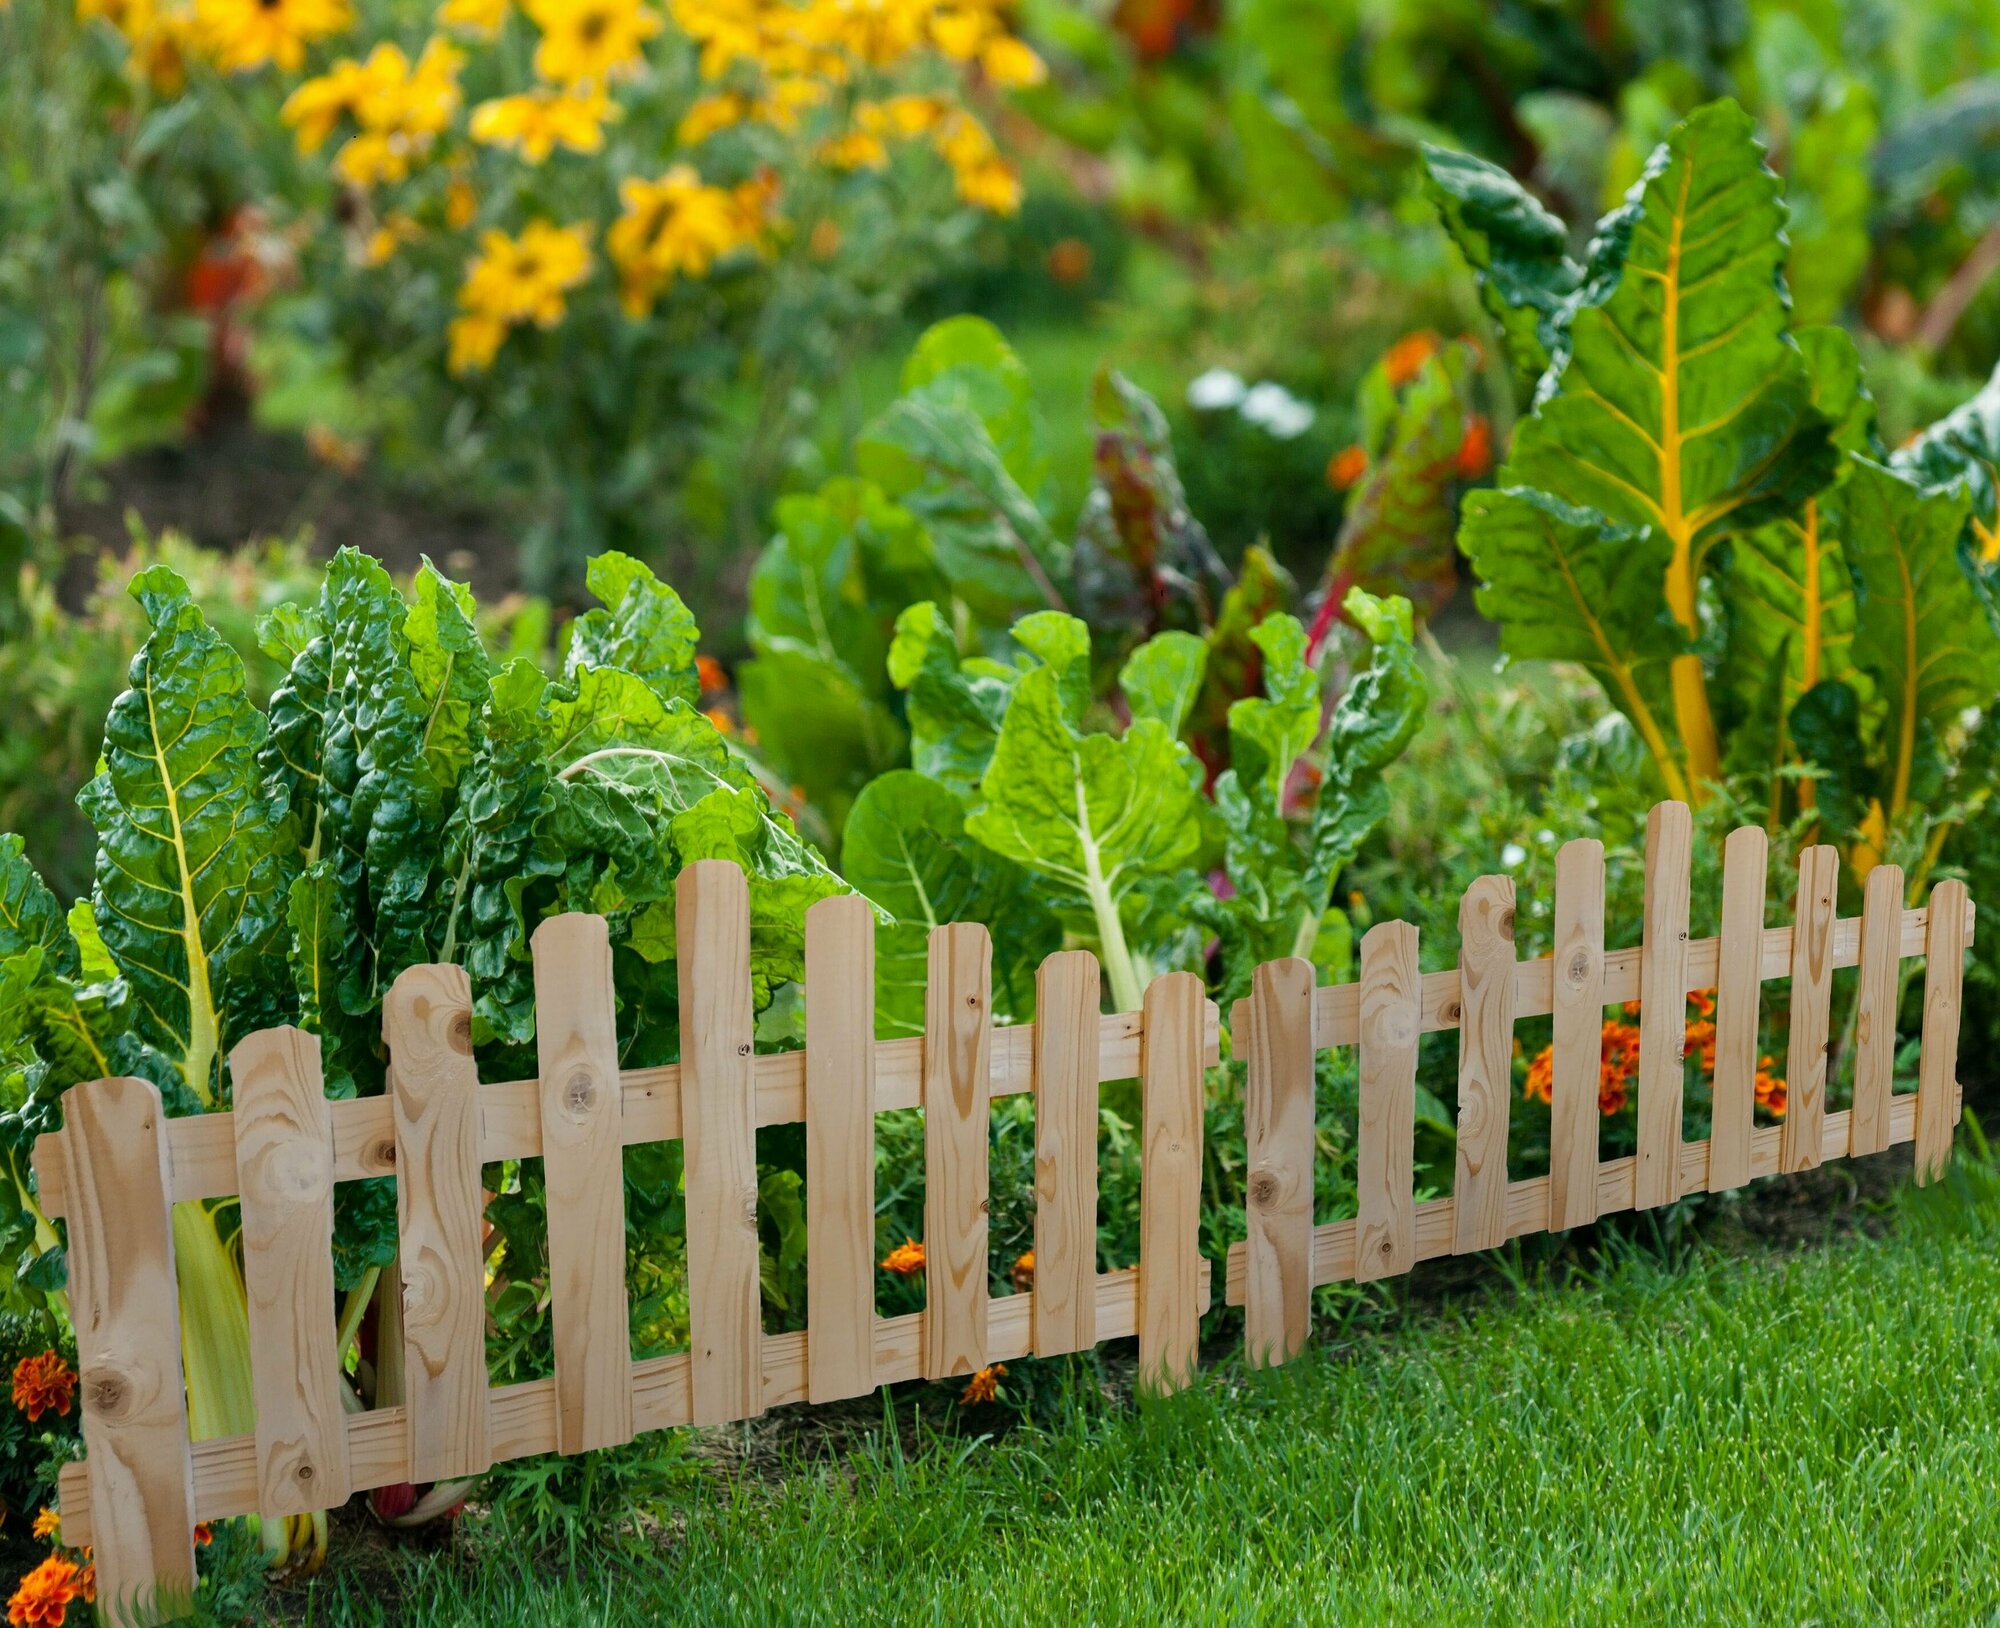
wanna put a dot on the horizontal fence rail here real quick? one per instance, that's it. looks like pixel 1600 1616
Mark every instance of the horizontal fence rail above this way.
pixel 1286 1021
pixel 120 1164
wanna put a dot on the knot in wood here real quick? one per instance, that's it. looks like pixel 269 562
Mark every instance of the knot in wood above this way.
pixel 384 1152
pixel 1451 1011
pixel 743 1050
pixel 304 1472
pixel 1264 1189
pixel 300 1170
pixel 579 1093
pixel 972 1001
pixel 1505 922
pixel 110 1394
pixel 1576 970
pixel 459 1034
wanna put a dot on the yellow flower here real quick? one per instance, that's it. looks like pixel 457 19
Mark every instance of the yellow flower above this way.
pixel 538 121
pixel 476 16
pixel 994 187
pixel 387 238
pixel 524 279
pixel 1010 64
pixel 960 31
pixel 246 34
pixel 912 115
pixel 161 41
pixel 48 1524
pixel 319 104
pixel 589 39
pixel 678 226
pixel 475 341
pixel 855 150
pixel 461 203
pixel 401 109
pixel 710 114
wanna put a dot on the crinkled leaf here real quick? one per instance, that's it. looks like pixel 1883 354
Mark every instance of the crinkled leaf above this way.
pixel 907 850
pixel 190 865
pixel 966 362
pixel 1162 678
pixel 1268 733
pixel 451 669
pixel 641 626
pixel 1964 445
pixel 1518 251
pixel 1062 644
pixel 291 761
pixel 954 707
pixel 30 917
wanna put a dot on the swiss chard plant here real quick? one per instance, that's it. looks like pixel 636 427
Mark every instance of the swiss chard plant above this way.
pixel 1700 512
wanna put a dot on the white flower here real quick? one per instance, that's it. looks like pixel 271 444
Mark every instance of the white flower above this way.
pixel 1274 408
pixel 1512 855
pixel 1215 390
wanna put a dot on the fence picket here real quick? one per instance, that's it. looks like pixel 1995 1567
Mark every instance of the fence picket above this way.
pixel 427 1024
pixel 1578 1041
pixel 1663 1001
pixel 1945 940
pixel 1485 1061
pixel 583 1162
pixel 718 1127
pixel 139 1467
pixel 1385 1240
pixel 1739 994
pixel 958 1088
pixel 1065 1070
pixel 1812 1009
pixel 1170 1182
pixel 284 1157
pixel 1875 1011
pixel 840 1148
pixel 1278 1130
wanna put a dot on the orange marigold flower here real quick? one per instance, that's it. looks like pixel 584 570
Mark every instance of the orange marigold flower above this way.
pixel 43 1597
pixel 983 1386
pixel 724 724
pixel 48 1524
pixel 1703 1001
pixel 1023 1275
pixel 1405 359
pixel 1346 467
pixel 43 1383
pixel 1618 1061
pixel 1770 1089
pixel 1475 448
pixel 1541 1082
pixel 906 1259
pixel 1701 1041
pixel 710 672
pixel 86 1581
pixel 204 1534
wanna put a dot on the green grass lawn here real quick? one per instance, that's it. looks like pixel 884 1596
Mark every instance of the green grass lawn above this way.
pixel 1812 1437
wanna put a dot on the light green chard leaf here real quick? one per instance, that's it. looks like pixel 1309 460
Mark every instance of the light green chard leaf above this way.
pixel 954 706
pixel 1518 251
pixel 966 361
pixel 1092 813
pixel 451 669
pixel 1920 632
pixel 906 848
pixel 1964 445
pixel 641 626
pixel 1565 584
pixel 191 865
pixel 1269 733
pixel 1162 678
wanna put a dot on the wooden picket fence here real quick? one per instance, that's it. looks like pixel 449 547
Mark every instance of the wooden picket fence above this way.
pixel 1286 1021
pixel 119 1165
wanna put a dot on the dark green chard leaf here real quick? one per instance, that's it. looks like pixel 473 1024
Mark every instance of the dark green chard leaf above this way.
pixel 30 917
pixel 292 759
pixel 642 627
pixel 906 848
pixel 191 862
pixel 451 670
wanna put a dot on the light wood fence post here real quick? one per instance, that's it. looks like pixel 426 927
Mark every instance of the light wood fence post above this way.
pixel 1485 1063
pixel 1663 952
pixel 1800 1144
pixel 1064 1060
pixel 958 1094
pixel 1385 1226
pixel 1577 993
pixel 1170 1182
pixel 1739 998
pixel 1944 983
pixel 1278 1127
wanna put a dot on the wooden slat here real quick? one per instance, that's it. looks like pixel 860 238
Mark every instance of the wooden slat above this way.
pixel 1738 1001
pixel 1812 1007
pixel 840 1147
pixel 1066 998
pixel 284 1151
pixel 139 1470
pixel 1578 1041
pixel 523 1414
pixel 1385 1148
pixel 1663 989
pixel 958 1039
pixel 1937 1072
pixel 1528 1201
pixel 576 1041
pixel 434 1087
pixel 712 952
pixel 1875 1010
pixel 1170 1264
pixel 1278 1130
pixel 1485 1060
pixel 364 1143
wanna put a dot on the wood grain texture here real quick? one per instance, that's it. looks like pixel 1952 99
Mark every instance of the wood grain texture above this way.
pixel 1812 1007
pixel 718 1123
pixel 1663 956
pixel 225 1468
pixel 284 1153
pixel 958 1090
pixel 1278 1130
pixel 1578 1041
pixel 1170 1264
pixel 1938 1105
pixel 1875 994
pixel 1385 1149
pixel 840 1148
pixel 434 1087
pixel 139 1467
pixel 1066 999
pixel 1485 1060
pixel 1739 997
pixel 583 1164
